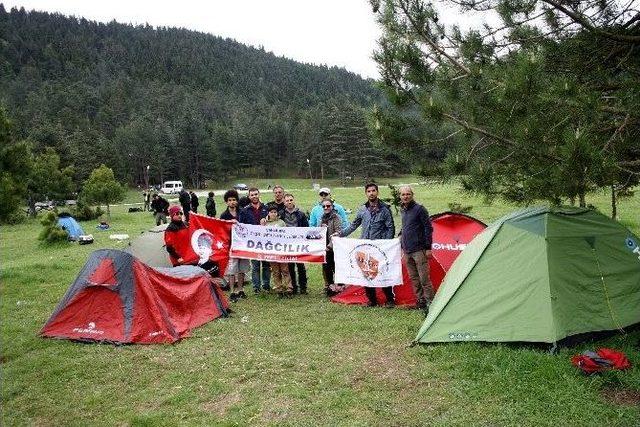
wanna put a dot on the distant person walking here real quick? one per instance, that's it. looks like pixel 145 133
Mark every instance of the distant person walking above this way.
pixel 185 201
pixel 210 206
pixel 294 217
pixel 254 214
pixel 160 208
pixel 146 197
pixel 194 201
pixel 377 223
pixel 415 240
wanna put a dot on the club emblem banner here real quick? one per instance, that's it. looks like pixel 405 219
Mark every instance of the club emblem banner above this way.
pixel 372 263
pixel 279 244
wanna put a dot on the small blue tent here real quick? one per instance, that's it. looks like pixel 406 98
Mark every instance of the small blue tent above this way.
pixel 70 225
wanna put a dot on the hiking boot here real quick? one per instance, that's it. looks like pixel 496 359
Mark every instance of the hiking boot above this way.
pixel 389 304
pixel 304 291
pixel 256 291
pixel 242 295
pixel 234 297
pixel 372 303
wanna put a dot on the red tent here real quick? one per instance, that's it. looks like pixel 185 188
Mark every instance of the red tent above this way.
pixel 451 234
pixel 118 299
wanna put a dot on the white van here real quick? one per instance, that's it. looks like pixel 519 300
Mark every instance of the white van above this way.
pixel 171 187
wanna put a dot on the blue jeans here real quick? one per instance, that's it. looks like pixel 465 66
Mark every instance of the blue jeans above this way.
pixel 255 274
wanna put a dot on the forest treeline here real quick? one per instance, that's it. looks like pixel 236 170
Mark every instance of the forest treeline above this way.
pixel 189 105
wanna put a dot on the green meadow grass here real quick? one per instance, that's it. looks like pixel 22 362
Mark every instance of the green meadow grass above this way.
pixel 303 361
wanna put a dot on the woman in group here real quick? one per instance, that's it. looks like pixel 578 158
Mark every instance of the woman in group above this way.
pixel 331 220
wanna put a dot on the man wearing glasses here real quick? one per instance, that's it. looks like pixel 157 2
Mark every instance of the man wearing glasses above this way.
pixel 316 213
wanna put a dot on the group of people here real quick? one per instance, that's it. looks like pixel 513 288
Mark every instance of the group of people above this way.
pixel 188 200
pixel 374 218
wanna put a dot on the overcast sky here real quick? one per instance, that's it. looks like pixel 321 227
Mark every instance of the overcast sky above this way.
pixel 332 32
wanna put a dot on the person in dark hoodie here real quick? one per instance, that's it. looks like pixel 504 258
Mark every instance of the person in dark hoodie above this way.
pixel 194 201
pixel 185 201
pixel 293 217
pixel 210 206
pixel 377 223
pixel 415 240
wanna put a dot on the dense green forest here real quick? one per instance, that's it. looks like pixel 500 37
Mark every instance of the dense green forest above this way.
pixel 191 106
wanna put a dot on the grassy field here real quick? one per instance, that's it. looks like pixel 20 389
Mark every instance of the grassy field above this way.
pixel 303 361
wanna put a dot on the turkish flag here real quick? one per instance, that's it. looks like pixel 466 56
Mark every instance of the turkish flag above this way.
pixel 210 239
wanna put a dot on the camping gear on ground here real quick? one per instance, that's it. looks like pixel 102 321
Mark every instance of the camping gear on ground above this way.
pixel 601 360
pixel 149 247
pixel 85 239
pixel 451 233
pixel 70 225
pixel 118 299
pixel 539 275
pixel 102 226
pixel 118 236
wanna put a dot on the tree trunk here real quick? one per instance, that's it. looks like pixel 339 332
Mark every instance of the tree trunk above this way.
pixel 583 202
pixel 614 204
pixel 108 212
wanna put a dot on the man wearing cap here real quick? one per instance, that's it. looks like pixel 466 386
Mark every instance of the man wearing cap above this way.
pixel 377 223
pixel 175 235
pixel 316 212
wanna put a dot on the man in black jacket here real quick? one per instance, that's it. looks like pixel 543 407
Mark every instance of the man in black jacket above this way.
pixel 416 245
pixel 294 217
pixel 185 201
pixel 160 206
pixel 194 201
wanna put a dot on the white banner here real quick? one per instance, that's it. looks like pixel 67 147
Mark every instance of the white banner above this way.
pixel 372 263
pixel 279 244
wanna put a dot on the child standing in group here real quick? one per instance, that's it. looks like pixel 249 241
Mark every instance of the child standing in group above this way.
pixel 279 270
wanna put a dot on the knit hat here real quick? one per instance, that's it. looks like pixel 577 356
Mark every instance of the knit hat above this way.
pixel 174 210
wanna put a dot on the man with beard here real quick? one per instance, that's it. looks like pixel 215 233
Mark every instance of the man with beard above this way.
pixel 254 214
pixel 377 223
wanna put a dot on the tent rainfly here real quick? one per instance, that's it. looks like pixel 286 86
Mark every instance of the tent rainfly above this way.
pixel 539 275
pixel 118 299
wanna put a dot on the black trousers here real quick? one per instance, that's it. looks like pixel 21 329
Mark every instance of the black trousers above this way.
pixel 301 280
pixel 371 294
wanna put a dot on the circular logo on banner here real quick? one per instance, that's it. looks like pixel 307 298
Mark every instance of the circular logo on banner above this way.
pixel 202 244
pixel 241 231
pixel 369 260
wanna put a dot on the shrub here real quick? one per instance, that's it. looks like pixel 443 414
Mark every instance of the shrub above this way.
pixel 458 208
pixel 84 212
pixel 52 232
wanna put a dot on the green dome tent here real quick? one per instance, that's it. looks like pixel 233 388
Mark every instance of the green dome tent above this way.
pixel 539 275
